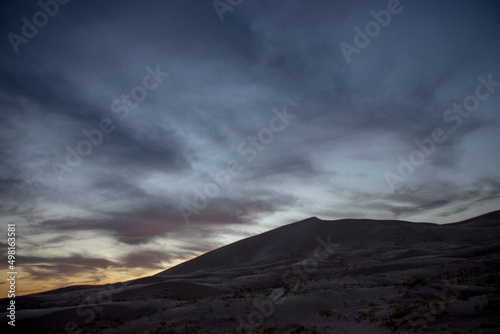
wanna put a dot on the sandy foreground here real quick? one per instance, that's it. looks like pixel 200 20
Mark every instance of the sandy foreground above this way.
pixel 313 276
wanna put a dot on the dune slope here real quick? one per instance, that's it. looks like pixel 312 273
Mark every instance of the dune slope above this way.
pixel 312 276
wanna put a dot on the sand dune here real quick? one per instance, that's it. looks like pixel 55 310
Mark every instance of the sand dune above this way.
pixel 312 276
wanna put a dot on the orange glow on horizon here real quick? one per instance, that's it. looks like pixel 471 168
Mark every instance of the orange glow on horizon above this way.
pixel 26 285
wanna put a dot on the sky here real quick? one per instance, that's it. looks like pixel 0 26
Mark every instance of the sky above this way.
pixel 137 135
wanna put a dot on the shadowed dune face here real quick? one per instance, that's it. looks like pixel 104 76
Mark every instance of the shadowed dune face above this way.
pixel 313 276
pixel 349 235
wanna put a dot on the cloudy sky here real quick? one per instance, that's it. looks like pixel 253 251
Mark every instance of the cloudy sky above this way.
pixel 137 135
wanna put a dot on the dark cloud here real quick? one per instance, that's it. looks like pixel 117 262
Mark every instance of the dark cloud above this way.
pixel 61 268
pixel 73 260
pixel 43 268
pixel 142 224
pixel 418 198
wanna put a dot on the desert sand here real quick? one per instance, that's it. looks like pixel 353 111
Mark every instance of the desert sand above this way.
pixel 312 276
